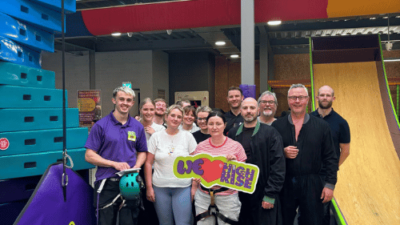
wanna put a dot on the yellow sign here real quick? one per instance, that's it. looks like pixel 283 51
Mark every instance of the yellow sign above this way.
pixel 86 104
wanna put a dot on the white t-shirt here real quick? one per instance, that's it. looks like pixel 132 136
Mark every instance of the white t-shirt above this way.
pixel 194 128
pixel 156 127
pixel 166 148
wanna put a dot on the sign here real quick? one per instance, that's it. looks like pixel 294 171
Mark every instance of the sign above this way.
pixel 89 106
pixel 127 84
pixel 217 170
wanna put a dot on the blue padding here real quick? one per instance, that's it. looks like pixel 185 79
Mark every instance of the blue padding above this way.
pixel 32 13
pixel 19 75
pixel 10 211
pixel 24 142
pixel 36 119
pixel 26 34
pixel 69 5
pixel 16 53
pixel 26 165
pixel 17 189
pixel 28 97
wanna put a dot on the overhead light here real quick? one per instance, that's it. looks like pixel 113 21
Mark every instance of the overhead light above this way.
pixel 391 60
pixel 130 34
pixel 116 34
pixel 274 22
pixel 372 18
pixel 220 43
pixel 234 56
pixel 385 17
pixel 397 17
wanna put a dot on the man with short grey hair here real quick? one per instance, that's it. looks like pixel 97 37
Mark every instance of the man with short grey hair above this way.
pixel 308 144
pixel 267 104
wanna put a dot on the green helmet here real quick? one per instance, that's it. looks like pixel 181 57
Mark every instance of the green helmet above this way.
pixel 129 186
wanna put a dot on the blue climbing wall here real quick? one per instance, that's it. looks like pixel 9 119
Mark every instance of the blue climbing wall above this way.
pixel 31 136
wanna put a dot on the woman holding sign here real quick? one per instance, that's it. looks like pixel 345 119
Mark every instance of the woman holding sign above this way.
pixel 226 200
pixel 171 196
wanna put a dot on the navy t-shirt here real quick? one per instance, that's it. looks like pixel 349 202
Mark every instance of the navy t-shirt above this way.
pixel 116 142
pixel 339 127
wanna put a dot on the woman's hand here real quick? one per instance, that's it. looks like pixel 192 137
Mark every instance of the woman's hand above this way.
pixel 149 130
pixel 150 195
pixel 230 157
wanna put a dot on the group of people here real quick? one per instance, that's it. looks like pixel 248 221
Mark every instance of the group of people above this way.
pixel 298 156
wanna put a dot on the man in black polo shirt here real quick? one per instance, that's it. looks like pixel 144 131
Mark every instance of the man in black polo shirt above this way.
pixel 233 117
pixel 340 132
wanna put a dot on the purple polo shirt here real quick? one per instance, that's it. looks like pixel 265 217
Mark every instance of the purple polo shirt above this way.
pixel 116 142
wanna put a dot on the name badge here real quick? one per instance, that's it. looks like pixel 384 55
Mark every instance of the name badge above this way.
pixel 131 136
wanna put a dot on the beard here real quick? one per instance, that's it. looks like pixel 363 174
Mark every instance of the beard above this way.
pixel 250 119
pixel 327 106
pixel 268 113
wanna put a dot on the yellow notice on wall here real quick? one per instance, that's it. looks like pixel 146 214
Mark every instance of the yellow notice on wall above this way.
pixel 86 104
pixel 344 8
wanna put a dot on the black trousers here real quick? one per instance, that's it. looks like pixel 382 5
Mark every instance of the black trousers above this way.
pixel 303 192
pixel 147 215
pixel 127 215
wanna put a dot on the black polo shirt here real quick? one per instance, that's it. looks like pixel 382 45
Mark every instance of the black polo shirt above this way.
pixel 339 127
pixel 232 121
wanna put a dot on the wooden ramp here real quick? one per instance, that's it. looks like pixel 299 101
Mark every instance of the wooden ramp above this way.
pixel 368 188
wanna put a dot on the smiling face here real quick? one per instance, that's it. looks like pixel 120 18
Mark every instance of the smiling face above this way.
pixel 267 106
pixel 161 107
pixel 215 126
pixel 174 119
pixel 123 102
pixel 188 118
pixel 234 99
pixel 202 120
pixel 325 97
pixel 298 100
pixel 147 112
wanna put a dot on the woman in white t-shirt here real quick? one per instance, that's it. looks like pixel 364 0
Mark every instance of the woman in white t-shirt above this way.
pixel 147 110
pixel 171 196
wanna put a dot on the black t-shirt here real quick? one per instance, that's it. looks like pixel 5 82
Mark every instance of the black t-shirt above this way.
pixel 245 141
pixel 232 121
pixel 199 136
pixel 339 127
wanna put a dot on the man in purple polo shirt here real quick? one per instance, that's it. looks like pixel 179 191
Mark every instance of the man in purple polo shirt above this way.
pixel 117 142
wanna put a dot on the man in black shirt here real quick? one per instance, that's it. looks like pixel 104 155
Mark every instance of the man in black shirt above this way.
pixel 233 117
pixel 340 132
pixel 263 147
pixel 308 145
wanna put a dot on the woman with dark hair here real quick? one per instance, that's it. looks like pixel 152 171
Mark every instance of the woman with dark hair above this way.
pixel 171 196
pixel 189 117
pixel 227 200
pixel 202 113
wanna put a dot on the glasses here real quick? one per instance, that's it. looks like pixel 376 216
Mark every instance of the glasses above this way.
pixel 200 119
pixel 294 98
pixel 267 102
pixel 160 104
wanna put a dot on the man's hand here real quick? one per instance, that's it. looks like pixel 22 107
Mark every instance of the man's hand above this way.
pixel 120 166
pixel 326 195
pixel 291 152
pixel 267 205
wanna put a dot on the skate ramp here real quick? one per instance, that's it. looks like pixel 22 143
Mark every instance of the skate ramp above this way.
pixel 368 188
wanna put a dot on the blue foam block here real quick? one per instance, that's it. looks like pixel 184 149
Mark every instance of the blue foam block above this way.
pixel 14 74
pixel 26 34
pixel 28 97
pixel 26 165
pixel 17 189
pixel 32 13
pixel 69 5
pixel 24 142
pixel 19 54
pixel 10 211
pixel 36 119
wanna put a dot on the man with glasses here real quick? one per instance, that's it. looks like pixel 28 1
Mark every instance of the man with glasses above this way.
pixel 308 145
pixel 340 132
pixel 161 107
pixel 267 104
